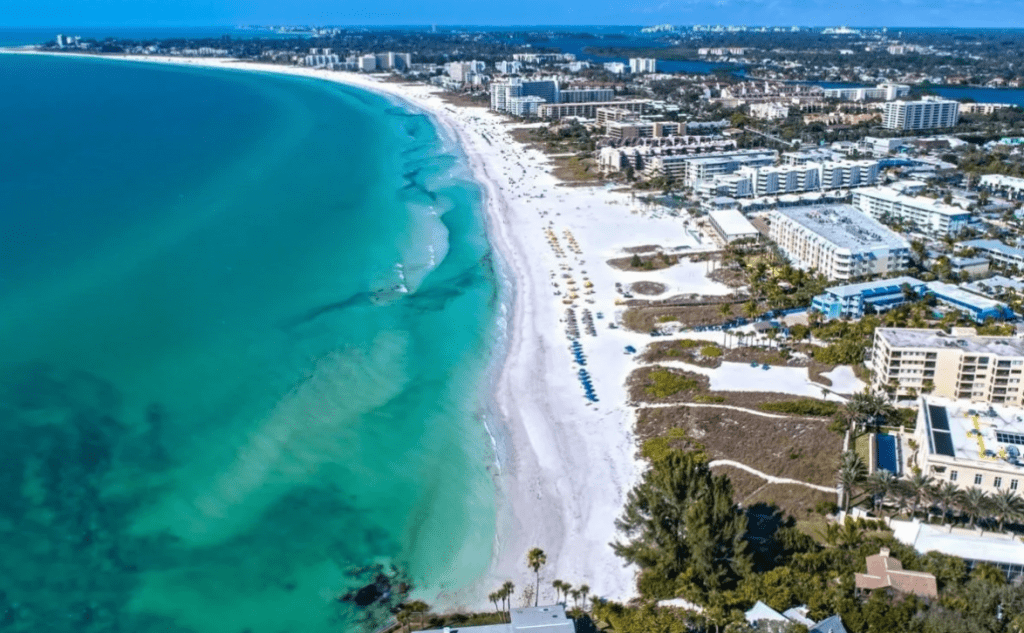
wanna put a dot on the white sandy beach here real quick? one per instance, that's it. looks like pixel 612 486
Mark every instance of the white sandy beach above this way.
pixel 566 464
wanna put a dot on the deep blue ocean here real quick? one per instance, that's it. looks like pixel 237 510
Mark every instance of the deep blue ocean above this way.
pixel 246 324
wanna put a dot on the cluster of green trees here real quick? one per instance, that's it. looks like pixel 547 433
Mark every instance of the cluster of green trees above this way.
pixel 689 539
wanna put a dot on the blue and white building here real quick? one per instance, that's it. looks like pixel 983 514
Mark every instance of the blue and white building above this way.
pixel 997 252
pixel 980 308
pixel 852 301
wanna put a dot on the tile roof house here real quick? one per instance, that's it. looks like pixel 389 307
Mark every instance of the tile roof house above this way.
pixel 886 571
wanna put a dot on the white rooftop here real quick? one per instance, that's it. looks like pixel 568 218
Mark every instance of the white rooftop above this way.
pixel 944 290
pixel 932 205
pixel 732 222
pixel 543 619
pixel 977 432
pixel 844 226
pixel 933 538
pixel 968 342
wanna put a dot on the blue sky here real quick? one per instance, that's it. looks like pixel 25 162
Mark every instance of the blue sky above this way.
pixel 995 13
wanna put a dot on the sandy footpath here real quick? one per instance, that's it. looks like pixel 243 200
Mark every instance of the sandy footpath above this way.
pixel 566 463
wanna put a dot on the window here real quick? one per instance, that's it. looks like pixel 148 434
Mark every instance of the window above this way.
pixel 1013 484
pixel 998 482
pixel 977 480
pixel 952 475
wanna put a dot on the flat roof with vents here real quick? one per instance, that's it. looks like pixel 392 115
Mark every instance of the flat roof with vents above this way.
pixel 845 226
pixel 964 430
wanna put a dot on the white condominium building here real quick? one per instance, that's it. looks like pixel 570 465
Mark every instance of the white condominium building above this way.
pixel 509 68
pixel 961 365
pixel 589 109
pixel 367 63
pixel 1009 186
pixel 773 180
pixel 837 241
pixel 641 129
pixel 502 92
pixel 642 65
pixel 926 214
pixel 525 106
pixel 886 92
pixel 926 114
pixel 582 95
pixel 695 169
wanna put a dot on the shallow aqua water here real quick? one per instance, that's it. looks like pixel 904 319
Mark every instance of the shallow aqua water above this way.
pixel 245 322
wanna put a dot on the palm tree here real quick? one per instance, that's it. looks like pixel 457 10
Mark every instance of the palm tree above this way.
pixel 494 596
pixel 566 590
pixel 974 503
pixel 880 484
pixel 584 592
pixel 917 487
pixel 725 310
pixel 852 471
pixel 750 309
pixel 946 494
pixel 535 559
pixel 507 590
pixel 559 586
pixel 1007 505
pixel 868 407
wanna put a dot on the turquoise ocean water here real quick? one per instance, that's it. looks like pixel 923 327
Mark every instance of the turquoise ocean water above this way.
pixel 245 325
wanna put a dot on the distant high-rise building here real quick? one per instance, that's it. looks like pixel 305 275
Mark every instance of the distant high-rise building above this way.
pixel 368 63
pixel 926 114
pixel 642 65
pixel 503 92
pixel 615 68
pixel 399 61
pixel 60 41
pixel 509 67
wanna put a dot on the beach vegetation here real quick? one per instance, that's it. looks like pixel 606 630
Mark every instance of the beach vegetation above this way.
pixel 711 351
pixel 665 383
pixel 706 398
pixel 806 406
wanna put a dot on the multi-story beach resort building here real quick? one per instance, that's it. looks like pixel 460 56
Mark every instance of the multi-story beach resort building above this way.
pixel 961 366
pixel 924 213
pixel 838 241
pixel 997 252
pixel 692 170
pixel 585 95
pixel 852 301
pixel 1008 186
pixel 502 92
pixel 971 446
pixel 642 65
pixel 926 114
pixel 885 92
pixel 620 130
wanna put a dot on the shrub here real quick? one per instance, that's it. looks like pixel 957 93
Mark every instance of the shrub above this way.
pixel 689 343
pixel 635 262
pixel 665 383
pixel 711 351
pixel 801 407
pixel 706 398
pixel 826 507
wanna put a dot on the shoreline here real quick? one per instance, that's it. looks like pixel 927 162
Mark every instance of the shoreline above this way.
pixel 564 466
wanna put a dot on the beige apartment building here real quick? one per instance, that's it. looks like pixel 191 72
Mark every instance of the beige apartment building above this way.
pixel 961 365
pixel 971 446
